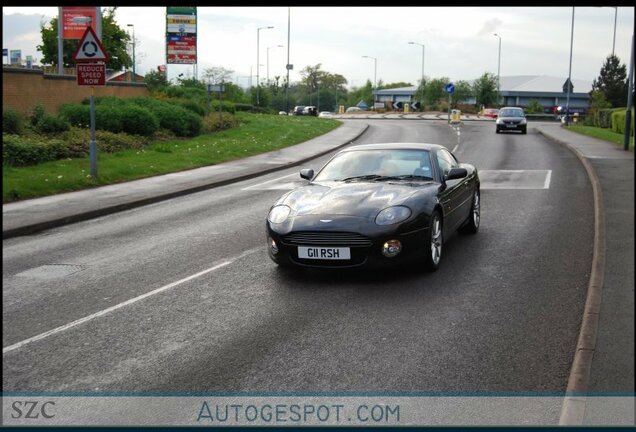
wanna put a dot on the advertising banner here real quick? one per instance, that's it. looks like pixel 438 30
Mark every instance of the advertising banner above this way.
pixel 76 19
pixel 16 57
pixel 181 35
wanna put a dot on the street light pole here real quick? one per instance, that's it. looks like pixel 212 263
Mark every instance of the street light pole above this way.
pixel 133 43
pixel 276 46
pixel 614 40
pixel 375 74
pixel 569 83
pixel 258 31
pixel 498 70
pixel 422 80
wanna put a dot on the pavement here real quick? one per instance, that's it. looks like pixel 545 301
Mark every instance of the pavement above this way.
pixel 605 354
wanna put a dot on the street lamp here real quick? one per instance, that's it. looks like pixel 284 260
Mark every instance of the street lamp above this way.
pixel 258 61
pixel 569 82
pixel 615 16
pixel 276 46
pixel 133 44
pixel 422 80
pixel 375 73
pixel 498 69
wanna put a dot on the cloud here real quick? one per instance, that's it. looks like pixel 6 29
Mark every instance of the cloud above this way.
pixel 491 26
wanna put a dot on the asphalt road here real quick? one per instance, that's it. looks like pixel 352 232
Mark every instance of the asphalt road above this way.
pixel 501 315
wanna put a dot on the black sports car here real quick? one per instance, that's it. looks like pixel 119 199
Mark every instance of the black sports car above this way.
pixel 373 204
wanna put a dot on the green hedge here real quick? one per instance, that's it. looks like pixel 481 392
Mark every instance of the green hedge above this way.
pixel 618 121
pixel 135 116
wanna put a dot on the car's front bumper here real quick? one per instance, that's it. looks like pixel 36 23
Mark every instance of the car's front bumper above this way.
pixel 365 249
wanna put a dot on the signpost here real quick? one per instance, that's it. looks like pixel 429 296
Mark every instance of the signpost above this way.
pixel 450 89
pixel 181 35
pixel 91 70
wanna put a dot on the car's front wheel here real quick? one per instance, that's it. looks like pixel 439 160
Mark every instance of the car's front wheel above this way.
pixel 434 243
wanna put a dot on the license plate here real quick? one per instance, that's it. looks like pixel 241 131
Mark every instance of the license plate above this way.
pixel 324 253
pixel 511 125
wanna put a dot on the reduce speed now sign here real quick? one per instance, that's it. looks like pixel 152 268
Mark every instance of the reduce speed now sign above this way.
pixel 91 74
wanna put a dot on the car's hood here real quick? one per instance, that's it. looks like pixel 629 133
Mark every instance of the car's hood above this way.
pixel 362 199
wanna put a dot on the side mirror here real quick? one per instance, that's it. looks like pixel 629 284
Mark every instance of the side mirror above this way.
pixel 308 174
pixel 456 173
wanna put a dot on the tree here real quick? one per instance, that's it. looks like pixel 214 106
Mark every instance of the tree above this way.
pixel 435 93
pixel 155 80
pixel 114 40
pixel 462 93
pixel 485 89
pixel 534 107
pixel 217 75
pixel 612 81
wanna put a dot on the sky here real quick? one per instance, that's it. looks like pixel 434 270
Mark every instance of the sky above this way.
pixel 459 42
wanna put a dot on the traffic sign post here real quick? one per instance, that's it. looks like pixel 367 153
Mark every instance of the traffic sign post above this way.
pixel 449 88
pixel 91 71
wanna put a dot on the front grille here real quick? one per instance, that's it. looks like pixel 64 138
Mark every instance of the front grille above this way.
pixel 320 238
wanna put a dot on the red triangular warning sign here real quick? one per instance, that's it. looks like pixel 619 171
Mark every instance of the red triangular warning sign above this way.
pixel 90 48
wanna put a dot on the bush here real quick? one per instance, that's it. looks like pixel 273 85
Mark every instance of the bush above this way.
pixel 20 151
pixel 603 118
pixel 226 106
pixel 49 124
pixel 136 120
pixel 215 123
pixel 534 107
pixel 12 121
pixel 190 105
pixel 618 121
pixel 243 107
pixel 37 112
pixel 76 115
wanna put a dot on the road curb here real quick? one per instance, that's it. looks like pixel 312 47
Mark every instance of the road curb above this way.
pixel 573 409
pixel 41 226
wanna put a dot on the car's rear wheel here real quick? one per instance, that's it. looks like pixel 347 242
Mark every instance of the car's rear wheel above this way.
pixel 472 223
pixel 434 243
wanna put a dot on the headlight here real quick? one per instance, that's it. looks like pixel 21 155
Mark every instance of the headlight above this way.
pixel 393 215
pixel 524 121
pixel 278 214
pixel 498 121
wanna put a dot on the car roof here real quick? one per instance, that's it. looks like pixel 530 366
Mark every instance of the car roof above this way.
pixel 395 146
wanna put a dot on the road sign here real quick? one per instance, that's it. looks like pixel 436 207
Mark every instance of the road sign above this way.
pixel 449 88
pixel 216 88
pixel 90 48
pixel 5 52
pixel 415 105
pixel 89 74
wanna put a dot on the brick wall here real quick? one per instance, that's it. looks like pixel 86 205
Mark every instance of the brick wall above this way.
pixel 22 89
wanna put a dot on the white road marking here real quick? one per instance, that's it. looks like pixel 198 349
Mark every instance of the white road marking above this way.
pixel 260 185
pixel 113 308
pixel 515 179
pixel 546 185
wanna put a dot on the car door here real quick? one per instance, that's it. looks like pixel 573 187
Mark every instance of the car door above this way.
pixel 455 193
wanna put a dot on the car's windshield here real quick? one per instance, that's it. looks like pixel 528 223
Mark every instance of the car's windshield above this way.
pixel 511 113
pixel 376 165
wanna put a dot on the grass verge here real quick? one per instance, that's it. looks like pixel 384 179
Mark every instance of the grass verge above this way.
pixel 602 133
pixel 256 134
